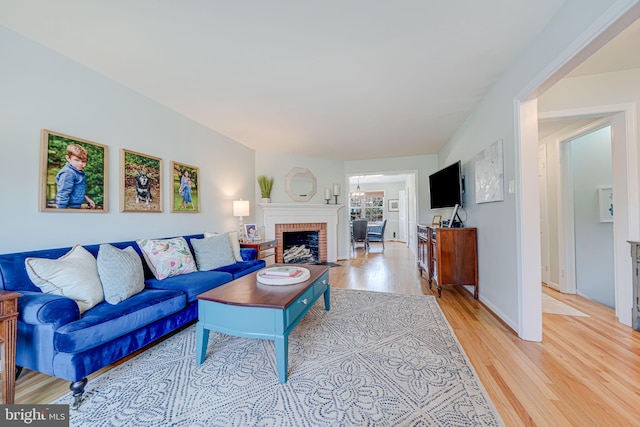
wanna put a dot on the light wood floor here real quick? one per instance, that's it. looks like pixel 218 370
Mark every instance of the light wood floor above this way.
pixel 586 372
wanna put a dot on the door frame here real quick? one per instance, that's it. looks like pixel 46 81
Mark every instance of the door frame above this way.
pixel 564 203
pixel 544 213
pixel 622 119
pixel 525 107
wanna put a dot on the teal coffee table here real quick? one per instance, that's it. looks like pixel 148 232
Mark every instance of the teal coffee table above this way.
pixel 247 308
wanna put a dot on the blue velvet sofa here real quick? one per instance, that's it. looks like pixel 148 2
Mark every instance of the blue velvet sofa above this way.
pixel 55 339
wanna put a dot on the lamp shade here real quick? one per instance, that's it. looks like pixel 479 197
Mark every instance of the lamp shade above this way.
pixel 240 207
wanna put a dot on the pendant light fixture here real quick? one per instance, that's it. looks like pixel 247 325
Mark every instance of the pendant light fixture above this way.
pixel 358 192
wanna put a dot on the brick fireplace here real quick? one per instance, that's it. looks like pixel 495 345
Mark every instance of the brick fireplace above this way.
pixel 321 228
pixel 283 217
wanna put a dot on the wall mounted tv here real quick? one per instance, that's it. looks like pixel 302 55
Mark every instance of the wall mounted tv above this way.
pixel 446 186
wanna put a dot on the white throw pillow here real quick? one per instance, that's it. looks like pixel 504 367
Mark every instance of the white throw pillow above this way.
pixel 213 252
pixel 120 272
pixel 233 240
pixel 73 275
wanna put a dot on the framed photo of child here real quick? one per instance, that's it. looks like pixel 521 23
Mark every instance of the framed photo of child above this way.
pixel 185 188
pixel 73 174
pixel 140 182
pixel 250 232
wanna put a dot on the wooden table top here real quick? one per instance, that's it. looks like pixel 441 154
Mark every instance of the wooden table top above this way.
pixel 247 291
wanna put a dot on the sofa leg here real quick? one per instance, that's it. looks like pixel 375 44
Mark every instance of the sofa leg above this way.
pixel 77 388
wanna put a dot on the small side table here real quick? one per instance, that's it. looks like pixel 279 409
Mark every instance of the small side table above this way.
pixel 265 248
pixel 8 335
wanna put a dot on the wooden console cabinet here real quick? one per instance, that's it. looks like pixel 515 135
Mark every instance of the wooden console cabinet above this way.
pixel 449 255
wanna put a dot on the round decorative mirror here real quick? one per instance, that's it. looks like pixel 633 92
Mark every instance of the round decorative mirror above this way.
pixel 300 184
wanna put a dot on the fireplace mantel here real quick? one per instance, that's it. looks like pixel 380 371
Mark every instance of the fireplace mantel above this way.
pixel 302 213
pixel 300 206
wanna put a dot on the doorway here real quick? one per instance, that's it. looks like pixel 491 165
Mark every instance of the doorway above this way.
pixel 591 174
pixel 621 118
pixel 576 238
pixel 399 205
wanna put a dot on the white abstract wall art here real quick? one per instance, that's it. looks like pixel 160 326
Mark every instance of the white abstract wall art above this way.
pixel 605 203
pixel 489 174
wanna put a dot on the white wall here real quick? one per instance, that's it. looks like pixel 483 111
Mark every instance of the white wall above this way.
pixel 591 168
pixel 327 173
pixel 501 286
pixel 41 89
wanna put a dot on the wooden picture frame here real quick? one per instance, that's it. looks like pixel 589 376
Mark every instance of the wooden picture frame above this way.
pixel 394 205
pixel 185 188
pixel 64 156
pixel 140 182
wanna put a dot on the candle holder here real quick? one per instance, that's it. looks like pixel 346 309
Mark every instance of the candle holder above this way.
pixel 336 197
pixel 327 200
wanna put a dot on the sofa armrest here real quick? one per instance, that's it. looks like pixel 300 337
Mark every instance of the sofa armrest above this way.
pixel 36 308
pixel 248 254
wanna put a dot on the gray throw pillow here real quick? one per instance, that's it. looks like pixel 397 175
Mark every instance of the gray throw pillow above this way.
pixel 213 252
pixel 120 272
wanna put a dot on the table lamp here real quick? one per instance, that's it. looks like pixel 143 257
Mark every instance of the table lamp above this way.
pixel 241 209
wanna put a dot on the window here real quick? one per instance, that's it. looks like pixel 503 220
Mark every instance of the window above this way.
pixel 370 206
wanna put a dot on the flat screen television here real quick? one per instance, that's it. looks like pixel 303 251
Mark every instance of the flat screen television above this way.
pixel 446 187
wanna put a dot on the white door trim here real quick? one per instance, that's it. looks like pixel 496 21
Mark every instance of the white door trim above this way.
pixel 544 214
pixel 626 198
pixel 564 203
pixel 608 25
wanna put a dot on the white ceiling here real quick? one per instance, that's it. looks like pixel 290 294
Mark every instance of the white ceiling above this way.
pixel 341 79
pixel 619 54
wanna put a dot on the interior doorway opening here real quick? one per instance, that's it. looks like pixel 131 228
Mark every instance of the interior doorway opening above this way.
pixel 395 202
pixel 576 237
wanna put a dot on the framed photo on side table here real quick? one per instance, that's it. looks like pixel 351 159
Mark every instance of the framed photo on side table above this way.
pixel 250 232
pixel 73 174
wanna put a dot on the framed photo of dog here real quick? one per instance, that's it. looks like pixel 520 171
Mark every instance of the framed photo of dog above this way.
pixel 140 182
pixel 185 188
pixel 73 174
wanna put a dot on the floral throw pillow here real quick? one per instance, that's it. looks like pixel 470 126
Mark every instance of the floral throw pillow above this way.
pixel 167 257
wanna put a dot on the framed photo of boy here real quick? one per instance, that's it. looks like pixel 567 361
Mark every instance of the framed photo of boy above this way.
pixel 140 182
pixel 73 174
pixel 184 188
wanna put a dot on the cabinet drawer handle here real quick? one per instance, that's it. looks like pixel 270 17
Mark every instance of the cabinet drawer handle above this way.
pixel 304 301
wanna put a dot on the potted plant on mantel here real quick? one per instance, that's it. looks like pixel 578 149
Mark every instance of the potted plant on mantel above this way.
pixel 266 184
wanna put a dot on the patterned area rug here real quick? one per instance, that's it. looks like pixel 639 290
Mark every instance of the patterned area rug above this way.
pixel 375 359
